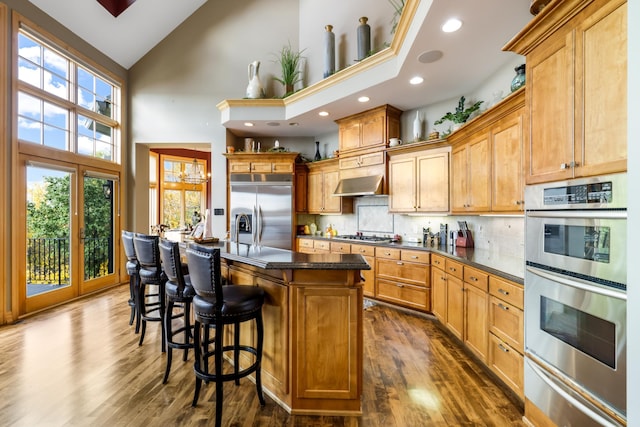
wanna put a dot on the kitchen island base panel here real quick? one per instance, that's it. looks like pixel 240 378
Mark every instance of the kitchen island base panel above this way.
pixel 313 349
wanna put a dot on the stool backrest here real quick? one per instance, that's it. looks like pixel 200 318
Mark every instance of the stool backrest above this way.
pixel 148 252
pixel 130 252
pixel 204 271
pixel 170 256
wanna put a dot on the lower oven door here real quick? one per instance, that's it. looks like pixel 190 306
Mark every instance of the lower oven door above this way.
pixel 579 329
pixel 564 405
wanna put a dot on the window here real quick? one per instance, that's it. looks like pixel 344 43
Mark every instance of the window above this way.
pixel 182 199
pixel 62 103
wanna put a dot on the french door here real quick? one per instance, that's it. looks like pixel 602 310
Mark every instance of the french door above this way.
pixel 67 243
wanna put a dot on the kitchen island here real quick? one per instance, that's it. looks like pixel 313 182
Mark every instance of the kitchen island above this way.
pixel 312 356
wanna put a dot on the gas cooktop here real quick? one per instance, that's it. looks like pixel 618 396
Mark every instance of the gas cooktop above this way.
pixel 373 239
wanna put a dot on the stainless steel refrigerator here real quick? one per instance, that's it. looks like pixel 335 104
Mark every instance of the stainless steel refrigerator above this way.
pixel 266 200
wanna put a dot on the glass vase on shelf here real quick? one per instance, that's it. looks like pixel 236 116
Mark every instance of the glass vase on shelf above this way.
pixel 519 80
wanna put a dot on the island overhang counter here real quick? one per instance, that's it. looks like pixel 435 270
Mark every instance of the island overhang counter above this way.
pixel 313 325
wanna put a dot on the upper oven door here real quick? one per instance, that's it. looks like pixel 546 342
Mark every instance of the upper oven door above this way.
pixel 590 245
pixel 579 329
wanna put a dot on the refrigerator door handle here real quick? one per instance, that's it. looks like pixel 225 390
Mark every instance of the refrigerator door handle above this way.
pixel 254 225
pixel 259 230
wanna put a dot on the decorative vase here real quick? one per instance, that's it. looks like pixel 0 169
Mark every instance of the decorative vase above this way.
pixel 417 127
pixel 317 156
pixel 255 89
pixel 519 80
pixel 329 51
pixel 364 38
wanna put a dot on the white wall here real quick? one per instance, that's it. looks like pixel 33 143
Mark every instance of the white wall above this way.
pixel 633 273
pixel 174 89
pixel 344 16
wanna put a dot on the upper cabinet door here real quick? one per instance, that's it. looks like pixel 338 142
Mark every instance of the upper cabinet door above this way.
pixel 601 96
pixel 550 102
pixel 507 184
pixel 576 90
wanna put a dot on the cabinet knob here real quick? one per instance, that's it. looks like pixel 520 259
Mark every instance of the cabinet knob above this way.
pixel 503 348
pixel 400 285
pixel 504 307
pixel 400 263
pixel 475 279
pixel 503 292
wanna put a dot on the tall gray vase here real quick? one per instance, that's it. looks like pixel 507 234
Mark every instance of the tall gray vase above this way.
pixel 329 51
pixel 364 38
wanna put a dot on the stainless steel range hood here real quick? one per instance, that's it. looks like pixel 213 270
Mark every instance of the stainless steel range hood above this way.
pixel 359 186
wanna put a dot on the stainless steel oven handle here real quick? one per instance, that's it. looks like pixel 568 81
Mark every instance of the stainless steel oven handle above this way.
pixel 557 387
pixel 594 214
pixel 576 283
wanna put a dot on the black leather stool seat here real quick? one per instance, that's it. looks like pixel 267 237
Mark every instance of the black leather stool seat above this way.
pixel 216 306
pixel 240 303
pixel 151 303
pixel 178 295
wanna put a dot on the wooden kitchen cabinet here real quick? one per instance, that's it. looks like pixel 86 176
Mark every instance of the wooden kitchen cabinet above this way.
pixel 507 178
pixel 301 184
pixel 322 179
pixel 506 337
pixel 261 162
pixel 403 277
pixel 370 129
pixel 314 246
pixel 476 334
pixel 576 89
pixel 368 252
pixel 455 298
pixel 471 174
pixel 419 181
pixel 438 288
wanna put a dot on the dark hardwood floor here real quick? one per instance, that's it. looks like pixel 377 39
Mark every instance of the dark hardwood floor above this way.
pixel 80 365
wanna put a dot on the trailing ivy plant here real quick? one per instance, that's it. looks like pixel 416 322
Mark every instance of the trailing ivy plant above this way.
pixel 461 114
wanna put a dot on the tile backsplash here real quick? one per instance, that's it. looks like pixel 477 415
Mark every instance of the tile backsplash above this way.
pixel 501 234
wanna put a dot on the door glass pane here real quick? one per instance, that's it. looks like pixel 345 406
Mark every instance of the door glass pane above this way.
pixel 48 230
pixel 171 208
pixel 193 211
pixel 98 227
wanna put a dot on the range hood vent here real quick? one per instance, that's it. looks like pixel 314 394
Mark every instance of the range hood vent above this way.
pixel 360 186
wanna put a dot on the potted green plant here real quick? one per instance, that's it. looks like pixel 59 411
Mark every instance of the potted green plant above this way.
pixel 461 114
pixel 398 6
pixel 289 61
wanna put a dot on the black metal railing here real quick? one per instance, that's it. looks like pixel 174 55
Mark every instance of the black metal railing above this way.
pixel 48 259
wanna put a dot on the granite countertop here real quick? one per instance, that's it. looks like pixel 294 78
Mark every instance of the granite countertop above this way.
pixel 282 259
pixel 507 266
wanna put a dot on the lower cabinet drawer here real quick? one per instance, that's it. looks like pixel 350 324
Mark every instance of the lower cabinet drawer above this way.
pixel 409 272
pixel 404 294
pixel 507 364
pixel 507 322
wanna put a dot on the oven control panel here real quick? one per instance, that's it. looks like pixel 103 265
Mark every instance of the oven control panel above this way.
pixel 597 192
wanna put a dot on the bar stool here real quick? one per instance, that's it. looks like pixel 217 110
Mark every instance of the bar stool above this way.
pixel 133 268
pixel 216 306
pixel 178 295
pixel 151 303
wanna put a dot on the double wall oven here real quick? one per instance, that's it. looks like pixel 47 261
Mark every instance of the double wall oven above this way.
pixel 575 299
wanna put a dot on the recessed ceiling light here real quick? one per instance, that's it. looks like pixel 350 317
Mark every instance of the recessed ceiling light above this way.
pixel 416 80
pixel 273 124
pixel 363 99
pixel 248 124
pixel 294 124
pixel 323 113
pixel 452 25
pixel 430 56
